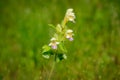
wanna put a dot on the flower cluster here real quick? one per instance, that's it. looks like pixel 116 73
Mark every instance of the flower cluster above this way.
pixel 69 34
pixel 62 33
pixel 53 43
pixel 69 16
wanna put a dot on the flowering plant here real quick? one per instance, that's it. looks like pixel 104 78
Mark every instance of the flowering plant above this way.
pixel 62 32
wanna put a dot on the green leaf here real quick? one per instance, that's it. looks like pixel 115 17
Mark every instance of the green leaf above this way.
pixel 46 55
pixel 64 56
pixel 47 52
pixel 46 48
pixel 60 57
pixel 62 47
pixel 59 28
pixel 52 26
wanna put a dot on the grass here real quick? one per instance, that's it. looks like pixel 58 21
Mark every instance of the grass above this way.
pixel 93 55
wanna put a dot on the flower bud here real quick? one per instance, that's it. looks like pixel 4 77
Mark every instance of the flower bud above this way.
pixel 70 16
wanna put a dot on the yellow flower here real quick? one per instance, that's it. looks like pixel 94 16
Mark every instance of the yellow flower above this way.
pixel 69 34
pixel 53 43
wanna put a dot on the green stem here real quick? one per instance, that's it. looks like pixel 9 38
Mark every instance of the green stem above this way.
pixel 64 22
pixel 51 70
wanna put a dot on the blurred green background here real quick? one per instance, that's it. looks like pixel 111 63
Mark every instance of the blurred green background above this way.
pixel 93 55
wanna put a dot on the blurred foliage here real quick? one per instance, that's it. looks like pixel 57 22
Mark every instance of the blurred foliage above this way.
pixel 93 55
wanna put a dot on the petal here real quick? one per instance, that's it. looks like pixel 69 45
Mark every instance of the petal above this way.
pixel 67 36
pixel 53 39
pixel 54 47
pixel 71 39
pixel 69 31
pixel 57 42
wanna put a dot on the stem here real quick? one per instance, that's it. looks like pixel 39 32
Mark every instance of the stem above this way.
pixel 64 22
pixel 51 70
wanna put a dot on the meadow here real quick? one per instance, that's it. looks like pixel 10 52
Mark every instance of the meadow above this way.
pixel 94 54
